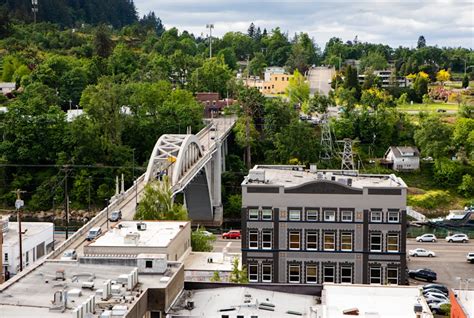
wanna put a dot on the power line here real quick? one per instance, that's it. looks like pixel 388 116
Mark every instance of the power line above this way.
pixel 70 166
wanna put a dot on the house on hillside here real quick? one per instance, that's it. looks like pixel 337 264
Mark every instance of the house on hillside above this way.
pixel 402 158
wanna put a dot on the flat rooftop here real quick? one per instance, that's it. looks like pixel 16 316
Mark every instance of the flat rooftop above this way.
pixel 290 176
pixel 32 295
pixel 32 229
pixel 372 301
pixel 200 261
pixel 157 234
pixel 215 302
pixel 466 299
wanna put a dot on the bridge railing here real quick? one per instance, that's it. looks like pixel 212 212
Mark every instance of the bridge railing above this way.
pixel 97 220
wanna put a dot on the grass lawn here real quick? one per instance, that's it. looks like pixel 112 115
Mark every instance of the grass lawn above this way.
pixel 432 107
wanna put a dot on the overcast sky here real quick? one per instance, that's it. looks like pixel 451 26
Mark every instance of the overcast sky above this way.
pixel 393 22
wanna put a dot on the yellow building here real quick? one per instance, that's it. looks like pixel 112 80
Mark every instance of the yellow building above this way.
pixel 276 85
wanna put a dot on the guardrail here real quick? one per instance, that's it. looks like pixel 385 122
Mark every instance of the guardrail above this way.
pixel 97 220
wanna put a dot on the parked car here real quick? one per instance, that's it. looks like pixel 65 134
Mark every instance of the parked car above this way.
pixel 436 306
pixel 421 252
pixel 69 255
pixel 435 297
pixel 440 110
pixel 463 238
pixel 94 233
pixel 423 273
pixel 433 290
pixel 232 234
pixel 115 216
pixel 470 257
pixel 207 233
pixel 439 287
pixel 426 238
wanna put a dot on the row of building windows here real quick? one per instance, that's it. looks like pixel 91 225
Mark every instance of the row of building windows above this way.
pixel 308 273
pixel 313 215
pixel 309 240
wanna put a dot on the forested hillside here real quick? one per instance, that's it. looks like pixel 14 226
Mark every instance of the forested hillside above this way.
pixel 137 82
pixel 73 13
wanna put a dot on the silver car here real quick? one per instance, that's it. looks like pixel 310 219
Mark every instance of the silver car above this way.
pixel 426 238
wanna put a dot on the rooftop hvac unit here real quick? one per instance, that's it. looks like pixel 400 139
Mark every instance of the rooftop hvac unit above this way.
pixel 141 226
pixel 257 175
pixel 131 238
pixel 107 290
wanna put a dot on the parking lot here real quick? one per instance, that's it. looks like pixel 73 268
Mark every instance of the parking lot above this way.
pixel 449 263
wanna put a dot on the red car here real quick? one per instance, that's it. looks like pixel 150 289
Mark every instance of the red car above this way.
pixel 232 234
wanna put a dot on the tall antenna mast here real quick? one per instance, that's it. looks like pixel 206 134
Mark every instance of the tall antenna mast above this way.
pixel 326 139
pixel 347 162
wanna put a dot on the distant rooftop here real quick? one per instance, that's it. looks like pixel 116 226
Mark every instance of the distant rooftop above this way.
pixel 32 228
pixel 32 295
pixel 157 234
pixel 289 176
pixel 372 301
pixel 210 261
pixel 245 301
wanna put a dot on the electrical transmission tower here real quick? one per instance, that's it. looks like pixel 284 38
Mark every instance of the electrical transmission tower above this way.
pixel 326 140
pixel 347 162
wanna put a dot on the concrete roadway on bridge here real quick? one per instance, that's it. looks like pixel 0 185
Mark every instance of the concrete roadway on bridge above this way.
pixel 233 246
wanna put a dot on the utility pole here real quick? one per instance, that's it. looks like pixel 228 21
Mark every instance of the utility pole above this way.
pixel 210 26
pixel 66 199
pixel 89 201
pixel 19 203
pixel 34 8
pixel 134 181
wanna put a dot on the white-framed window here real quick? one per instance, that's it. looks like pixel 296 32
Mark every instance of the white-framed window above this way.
pixel 376 216
pixel 267 214
pixel 375 275
pixel 294 273
pixel 346 241
pixel 329 274
pixel 311 240
pixel 295 240
pixel 294 215
pixel 267 239
pixel 253 272
pixel 376 242
pixel 392 275
pixel 393 217
pixel 346 274
pixel 330 216
pixel 346 216
pixel 253 214
pixel 329 241
pixel 392 243
pixel 312 215
pixel 253 239
pixel 266 273
pixel 311 274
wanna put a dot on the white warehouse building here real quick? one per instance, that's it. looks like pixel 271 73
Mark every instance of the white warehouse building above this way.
pixel 37 242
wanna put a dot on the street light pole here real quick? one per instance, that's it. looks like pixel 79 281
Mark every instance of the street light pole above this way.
pixel 210 26
pixel 134 181
pixel 34 8
pixel 19 203
pixel 107 202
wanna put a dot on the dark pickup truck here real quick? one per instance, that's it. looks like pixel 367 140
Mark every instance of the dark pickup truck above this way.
pixel 423 273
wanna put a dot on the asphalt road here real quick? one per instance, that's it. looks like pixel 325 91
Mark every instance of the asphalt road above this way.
pixel 233 246
pixel 449 263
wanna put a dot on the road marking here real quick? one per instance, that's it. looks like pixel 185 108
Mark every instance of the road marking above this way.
pixel 228 244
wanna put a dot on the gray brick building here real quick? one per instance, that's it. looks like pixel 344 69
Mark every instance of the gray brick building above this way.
pixel 310 227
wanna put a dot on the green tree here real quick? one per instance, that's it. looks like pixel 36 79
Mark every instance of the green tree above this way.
pixel 447 172
pixel 216 278
pixel 123 60
pixel 257 65
pixel 298 89
pixel 376 98
pixel 371 80
pixel 466 188
pixel 374 60
pixel 238 276
pixel 102 42
pixel 212 76
pixel 433 137
pixel 421 42
pixel 420 86
pixel 233 206
pixel 463 136
pixel 228 56
pixel 158 204
pixel 200 241
pixel 351 81
pixel 465 81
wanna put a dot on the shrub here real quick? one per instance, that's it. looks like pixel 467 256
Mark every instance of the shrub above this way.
pixel 429 200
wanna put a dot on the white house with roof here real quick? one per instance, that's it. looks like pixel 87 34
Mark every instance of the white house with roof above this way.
pixel 7 87
pixel 403 158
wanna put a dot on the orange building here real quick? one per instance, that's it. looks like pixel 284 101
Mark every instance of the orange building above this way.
pixel 462 303
pixel 276 84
